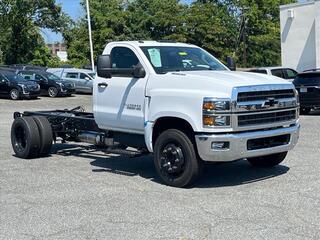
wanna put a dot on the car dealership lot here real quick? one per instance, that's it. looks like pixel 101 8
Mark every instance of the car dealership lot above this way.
pixel 81 193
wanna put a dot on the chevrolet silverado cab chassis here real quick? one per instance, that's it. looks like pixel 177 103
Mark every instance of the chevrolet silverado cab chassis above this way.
pixel 176 101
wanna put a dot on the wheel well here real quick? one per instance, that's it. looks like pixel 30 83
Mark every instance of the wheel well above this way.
pixel 166 123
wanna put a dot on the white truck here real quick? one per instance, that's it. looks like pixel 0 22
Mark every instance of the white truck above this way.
pixel 176 101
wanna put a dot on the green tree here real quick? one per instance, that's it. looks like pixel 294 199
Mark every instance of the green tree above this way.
pixel 108 24
pixel 259 35
pixel 212 26
pixel 117 20
pixel 20 24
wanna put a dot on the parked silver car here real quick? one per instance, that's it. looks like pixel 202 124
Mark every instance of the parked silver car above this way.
pixel 286 73
pixel 82 78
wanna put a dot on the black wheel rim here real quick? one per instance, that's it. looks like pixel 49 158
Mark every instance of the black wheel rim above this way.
pixel 20 139
pixel 172 161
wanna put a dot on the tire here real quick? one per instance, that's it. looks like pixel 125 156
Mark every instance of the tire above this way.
pixel 46 136
pixel 268 161
pixel 14 94
pixel 305 111
pixel 25 138
pixel 53 92
pixel 175 159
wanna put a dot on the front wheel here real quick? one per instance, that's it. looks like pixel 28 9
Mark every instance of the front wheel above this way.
pixel 175 159
pixel 53 92
pixel 268 161
pixel 14 94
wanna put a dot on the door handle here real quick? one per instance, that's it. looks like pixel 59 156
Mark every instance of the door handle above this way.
pixel 103 85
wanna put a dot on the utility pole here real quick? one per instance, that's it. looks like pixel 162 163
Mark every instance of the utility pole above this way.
pixel 90 35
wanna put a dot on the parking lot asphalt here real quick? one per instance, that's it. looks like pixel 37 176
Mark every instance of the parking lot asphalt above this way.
pixel 81 193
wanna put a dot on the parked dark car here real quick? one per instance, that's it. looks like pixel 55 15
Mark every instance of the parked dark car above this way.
pixel 27 67
pixel 50 84
pixel 16 87
pixel 308 85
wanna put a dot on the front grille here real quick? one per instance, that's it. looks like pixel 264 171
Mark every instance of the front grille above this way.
pixel 33 88
pixel 265 95
pixel 266 118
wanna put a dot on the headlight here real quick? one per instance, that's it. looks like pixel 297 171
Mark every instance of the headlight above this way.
pixel 215 112
pixel 216 121
pixel 211 104
pixel 61 85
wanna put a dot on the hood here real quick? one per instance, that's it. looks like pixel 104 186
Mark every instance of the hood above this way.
pixel 27 83
pixel 63 81
pixel 219 82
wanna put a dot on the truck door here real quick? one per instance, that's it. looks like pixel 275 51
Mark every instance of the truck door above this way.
pixel 119 101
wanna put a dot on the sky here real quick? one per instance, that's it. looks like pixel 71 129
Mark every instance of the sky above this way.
pixel 73 8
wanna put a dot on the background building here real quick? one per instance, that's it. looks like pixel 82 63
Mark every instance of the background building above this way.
pixel 59 49
pixel 300 35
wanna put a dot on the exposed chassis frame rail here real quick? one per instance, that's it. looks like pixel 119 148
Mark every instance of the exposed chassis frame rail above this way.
pixel 67 124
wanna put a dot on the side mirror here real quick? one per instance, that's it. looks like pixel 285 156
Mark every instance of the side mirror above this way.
pixel 105 70
pixel 231 64
pixel 104 66
pixel 139 72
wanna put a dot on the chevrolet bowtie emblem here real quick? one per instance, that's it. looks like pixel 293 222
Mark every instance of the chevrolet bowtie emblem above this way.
pixel 271 102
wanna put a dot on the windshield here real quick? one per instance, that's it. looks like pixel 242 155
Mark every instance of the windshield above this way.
pixel 92 75
pixel 51 76
pixel 170 59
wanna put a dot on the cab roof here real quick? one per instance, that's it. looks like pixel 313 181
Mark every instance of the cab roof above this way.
pixel 160 43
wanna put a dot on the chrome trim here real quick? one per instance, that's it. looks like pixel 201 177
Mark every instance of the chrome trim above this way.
pixel 236 127
pixel 238 144
pixel 261 105
pixel 236 109
pixel 285 104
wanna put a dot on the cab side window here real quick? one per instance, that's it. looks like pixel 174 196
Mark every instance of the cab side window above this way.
pixel 122 57
pixel 290 74
pixel 277 73
pixel 27 76
pixel 39 77
pixel 72 75
pixel 84 76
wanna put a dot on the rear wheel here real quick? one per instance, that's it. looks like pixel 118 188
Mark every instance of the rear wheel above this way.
pixel 52 92
pixel 268 161
pixel 15 94
pixel 25 138
pixel 175 159
pixel 46 137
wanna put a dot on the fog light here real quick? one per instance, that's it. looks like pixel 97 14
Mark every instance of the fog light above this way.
pixel 220 145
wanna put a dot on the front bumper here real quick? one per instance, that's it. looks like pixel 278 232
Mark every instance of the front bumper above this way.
pixel 67 91
pixel 238 144
pixel 30 94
